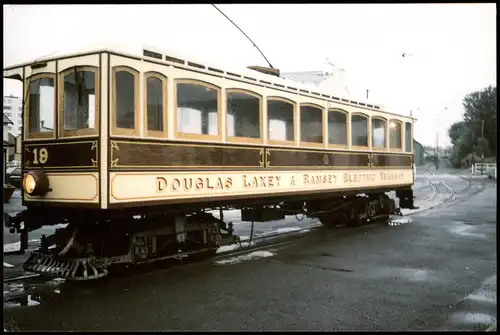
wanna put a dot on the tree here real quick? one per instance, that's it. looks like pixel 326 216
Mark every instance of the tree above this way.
pixel 456 130
pixel 477 133
pixel 482 148
pixel 481 115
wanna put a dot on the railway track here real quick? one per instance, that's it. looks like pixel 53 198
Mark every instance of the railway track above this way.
pixel 454 197
pixel 443 183
pixel 430 175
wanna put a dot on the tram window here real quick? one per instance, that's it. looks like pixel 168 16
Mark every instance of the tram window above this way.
pixel 408 137
pixel 197 109
pixel 243 115
pixel 155 104
pixel 311 124
pixel 281 121
pixel 395 134
pixel 41 106
pixel 378 133
pixel 125 99
pixel 79 99
pixel 337 128
pixel 359 129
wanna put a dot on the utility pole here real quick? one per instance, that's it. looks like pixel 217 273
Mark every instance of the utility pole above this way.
pixel 472 148
pixel 367 91
pixel 437 150
pixel 482 146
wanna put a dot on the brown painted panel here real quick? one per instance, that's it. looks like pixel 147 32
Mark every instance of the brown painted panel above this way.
pixel 299 158
pixel 128 154
pixel 81 154
pixel 388 160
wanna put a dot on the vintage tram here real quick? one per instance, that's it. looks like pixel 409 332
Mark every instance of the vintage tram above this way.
pixel 133 150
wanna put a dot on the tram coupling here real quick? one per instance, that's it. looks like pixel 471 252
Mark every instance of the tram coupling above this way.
pixel 13 223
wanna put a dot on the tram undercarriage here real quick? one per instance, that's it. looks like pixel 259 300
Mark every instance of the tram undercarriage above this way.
pixel 88 249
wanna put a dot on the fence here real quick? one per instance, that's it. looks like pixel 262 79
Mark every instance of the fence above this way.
pixel 489 169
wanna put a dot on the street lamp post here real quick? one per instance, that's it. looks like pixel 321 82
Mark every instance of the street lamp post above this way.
pixel 437 138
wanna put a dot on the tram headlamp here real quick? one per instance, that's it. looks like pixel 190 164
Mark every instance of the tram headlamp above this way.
pixel 36 183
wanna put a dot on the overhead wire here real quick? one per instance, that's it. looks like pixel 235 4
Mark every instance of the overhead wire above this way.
pixel 255 45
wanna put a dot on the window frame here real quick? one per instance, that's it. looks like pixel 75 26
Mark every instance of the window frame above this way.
pixel 368 130
pixel 386 132
pixel 259 140
pixel 400 149
pixel 79 132
pixel 322 109
pixel 39 135
pixel 347 128
pixel 115 130
pixel 164 90
pixel 295 123
pixel 200 137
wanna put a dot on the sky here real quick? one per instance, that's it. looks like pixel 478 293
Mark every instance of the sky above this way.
pixel 452 46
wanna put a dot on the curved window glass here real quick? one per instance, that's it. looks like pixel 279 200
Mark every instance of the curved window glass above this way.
pixel 243 115
pixel 155 104
pixel 408 136
pixel 281 121
pixel 125 102
pixel 378 133
pixel 311 124
pixel 41 107
pixel 337 127
pixel 197 109
pixel 359 130
pixel 395 134
pixel 80 103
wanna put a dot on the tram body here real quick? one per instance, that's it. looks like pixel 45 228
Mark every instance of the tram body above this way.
pixel 131 150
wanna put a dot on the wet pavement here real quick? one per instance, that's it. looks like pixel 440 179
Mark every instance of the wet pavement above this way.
pixel 431 271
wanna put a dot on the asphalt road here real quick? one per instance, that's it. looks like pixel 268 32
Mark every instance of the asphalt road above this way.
pixel 435 270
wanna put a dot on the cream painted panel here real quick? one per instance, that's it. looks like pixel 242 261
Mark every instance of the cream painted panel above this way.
pixel 124 61
pixel 90 60
pixel 223 114
pixel 170 108
pixel 151 67
pixel 50 68
pixel 139 186
pixel 71 187
pixel 12 72
pixel 103 160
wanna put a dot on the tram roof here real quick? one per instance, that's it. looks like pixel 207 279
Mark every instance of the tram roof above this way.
pixel 178 57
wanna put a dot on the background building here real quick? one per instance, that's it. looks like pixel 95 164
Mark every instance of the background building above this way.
pixel 12 108
pixel 8 144
pixel 418 153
